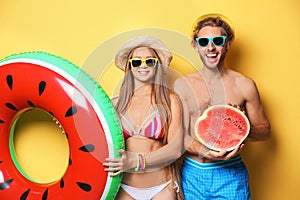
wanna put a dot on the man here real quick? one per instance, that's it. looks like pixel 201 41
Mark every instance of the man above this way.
pixel 208 174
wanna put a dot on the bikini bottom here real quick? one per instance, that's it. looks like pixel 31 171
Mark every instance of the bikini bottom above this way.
pixel 144 193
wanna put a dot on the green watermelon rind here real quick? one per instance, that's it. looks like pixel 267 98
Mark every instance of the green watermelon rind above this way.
pixel 204 116
pixel 99 96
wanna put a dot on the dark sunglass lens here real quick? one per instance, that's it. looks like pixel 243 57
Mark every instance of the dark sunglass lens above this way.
pixel 136 63
pixel 150 62
pixel 218 41
pixel 203 42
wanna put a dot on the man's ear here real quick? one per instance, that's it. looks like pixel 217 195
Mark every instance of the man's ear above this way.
pixel 194 44
pixel 227 45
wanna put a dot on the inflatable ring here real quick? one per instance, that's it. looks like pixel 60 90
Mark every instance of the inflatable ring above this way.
pixel 39 80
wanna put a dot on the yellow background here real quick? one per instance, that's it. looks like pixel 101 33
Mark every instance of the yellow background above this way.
pixel 267 48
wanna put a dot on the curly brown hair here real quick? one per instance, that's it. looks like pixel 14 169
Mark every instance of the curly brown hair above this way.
pixel 214 22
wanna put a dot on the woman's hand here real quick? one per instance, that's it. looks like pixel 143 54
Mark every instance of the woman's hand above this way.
pixel 117 165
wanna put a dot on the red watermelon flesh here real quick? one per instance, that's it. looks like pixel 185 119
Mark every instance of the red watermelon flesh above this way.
pixel 222 127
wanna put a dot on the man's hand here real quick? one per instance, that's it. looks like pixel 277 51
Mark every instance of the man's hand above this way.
pixel 221 155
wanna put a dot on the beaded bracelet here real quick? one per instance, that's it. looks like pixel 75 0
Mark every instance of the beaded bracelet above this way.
pixel 137 163
pixel 144 156
pixel 140 162
pixel 143 161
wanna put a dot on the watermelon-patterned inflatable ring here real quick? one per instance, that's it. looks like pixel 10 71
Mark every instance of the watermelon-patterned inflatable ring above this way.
pixel 38 80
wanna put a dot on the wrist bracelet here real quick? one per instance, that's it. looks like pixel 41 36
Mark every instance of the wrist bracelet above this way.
pixel 137 163
pixel 142 162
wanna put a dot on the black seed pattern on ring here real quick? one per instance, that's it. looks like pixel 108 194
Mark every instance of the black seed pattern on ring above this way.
pixel 71 111
pixel 84 186
pixel 9 81
pixel 45 195
pixel 30 103
pixel 87 148
pixel 62 183
pixel 11 106
pixel 5 184
pixel 25 195
pixel 42 87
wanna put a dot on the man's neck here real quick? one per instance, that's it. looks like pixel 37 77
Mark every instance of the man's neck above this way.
pixel 212 75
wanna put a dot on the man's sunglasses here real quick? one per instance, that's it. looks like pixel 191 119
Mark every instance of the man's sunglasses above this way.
pixel 217 41
pixel 150 62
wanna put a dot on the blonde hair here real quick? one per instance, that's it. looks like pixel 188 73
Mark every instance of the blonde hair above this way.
pixel 160 93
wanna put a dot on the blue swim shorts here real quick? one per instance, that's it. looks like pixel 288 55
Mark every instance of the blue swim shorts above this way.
pixel 215 181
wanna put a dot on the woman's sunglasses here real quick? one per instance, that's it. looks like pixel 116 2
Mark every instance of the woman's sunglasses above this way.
pixel 217 41
pixel 150 62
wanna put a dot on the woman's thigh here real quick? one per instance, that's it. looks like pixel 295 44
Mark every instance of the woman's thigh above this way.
pixel 122 195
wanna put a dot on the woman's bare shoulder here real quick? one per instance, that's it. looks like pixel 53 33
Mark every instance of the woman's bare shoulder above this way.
pixel 114 99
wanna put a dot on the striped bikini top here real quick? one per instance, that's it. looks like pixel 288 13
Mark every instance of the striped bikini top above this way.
pixel 152 126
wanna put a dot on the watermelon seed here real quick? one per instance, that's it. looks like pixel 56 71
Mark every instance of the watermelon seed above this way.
pixel 1 121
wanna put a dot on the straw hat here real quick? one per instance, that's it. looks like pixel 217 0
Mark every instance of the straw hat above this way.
pixel 160 48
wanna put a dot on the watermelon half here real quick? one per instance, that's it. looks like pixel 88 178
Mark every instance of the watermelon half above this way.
pixel 222 127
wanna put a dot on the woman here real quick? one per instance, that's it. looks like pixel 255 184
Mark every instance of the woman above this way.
pixel 151 119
